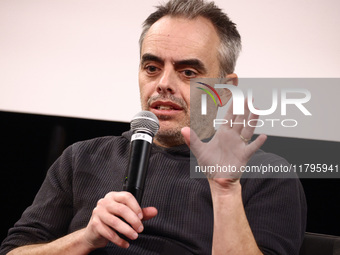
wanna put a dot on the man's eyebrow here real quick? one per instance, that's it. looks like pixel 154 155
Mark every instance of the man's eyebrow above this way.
pixel 194 63
pixel 149 57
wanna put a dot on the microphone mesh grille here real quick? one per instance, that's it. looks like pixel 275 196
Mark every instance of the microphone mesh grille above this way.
pixel 145 120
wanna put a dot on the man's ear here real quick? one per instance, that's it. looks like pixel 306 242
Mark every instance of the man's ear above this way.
pixel 225 94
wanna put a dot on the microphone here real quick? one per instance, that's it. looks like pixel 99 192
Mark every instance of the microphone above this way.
pixel 144 126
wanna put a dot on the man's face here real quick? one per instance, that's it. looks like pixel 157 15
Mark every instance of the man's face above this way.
pixel 175 50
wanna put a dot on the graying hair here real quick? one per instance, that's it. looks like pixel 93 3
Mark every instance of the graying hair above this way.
pixel 230 46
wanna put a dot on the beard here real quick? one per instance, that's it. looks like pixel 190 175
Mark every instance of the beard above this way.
pixel 172 136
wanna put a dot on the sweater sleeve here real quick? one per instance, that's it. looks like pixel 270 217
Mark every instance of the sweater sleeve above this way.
pixel 51 211
pixel 276 210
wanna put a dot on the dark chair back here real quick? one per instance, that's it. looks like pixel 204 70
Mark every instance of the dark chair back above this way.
pixel 319 244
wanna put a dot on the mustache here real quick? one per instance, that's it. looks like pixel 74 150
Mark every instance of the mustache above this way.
pixel 171 98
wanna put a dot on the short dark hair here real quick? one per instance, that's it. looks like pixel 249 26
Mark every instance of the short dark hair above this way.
pixel 230 46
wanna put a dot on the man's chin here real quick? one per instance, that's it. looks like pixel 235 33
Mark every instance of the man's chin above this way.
pixel 169 137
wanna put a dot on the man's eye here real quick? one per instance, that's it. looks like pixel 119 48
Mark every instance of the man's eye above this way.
pixel 189 73
pixel 151 69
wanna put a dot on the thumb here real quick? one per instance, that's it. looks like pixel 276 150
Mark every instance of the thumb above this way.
pixel 192 140
pixel 149 213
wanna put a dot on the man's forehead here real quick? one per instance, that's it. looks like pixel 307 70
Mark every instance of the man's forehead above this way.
pixel 177 35
pixel 193 30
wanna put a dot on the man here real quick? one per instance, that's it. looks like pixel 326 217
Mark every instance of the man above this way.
pixel 80 208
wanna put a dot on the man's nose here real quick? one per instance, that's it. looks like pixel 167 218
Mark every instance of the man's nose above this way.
pixel 167 82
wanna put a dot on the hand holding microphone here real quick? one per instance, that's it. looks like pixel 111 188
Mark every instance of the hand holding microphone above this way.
pixel 120 212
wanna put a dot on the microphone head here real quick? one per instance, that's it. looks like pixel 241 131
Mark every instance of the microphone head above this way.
pixel 145 121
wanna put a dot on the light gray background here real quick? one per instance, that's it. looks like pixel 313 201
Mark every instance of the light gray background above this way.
pixel 80 58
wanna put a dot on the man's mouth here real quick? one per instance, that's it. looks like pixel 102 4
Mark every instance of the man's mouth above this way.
pixel 165 108
pixel 165 105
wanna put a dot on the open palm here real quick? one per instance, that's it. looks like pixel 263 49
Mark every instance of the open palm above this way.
pixel 228 149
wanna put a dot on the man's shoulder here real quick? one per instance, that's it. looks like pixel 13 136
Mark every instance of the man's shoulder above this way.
pixel 270 174
pixel 100 144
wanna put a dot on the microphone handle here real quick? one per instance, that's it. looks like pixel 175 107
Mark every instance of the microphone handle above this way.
pixel 140 149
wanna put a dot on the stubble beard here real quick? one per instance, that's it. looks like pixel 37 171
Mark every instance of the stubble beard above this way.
pixel 172 136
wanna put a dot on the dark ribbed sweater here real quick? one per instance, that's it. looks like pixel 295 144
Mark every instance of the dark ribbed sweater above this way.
pixel 87 171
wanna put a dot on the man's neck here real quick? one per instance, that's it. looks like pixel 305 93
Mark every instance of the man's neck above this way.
pixel 168 142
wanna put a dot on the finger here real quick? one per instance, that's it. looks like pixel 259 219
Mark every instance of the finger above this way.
pixel 246 107
pixel 127 214
pixel 106 232
pixel 118 225
pixel 229 116
pixel 248 131
pixel 123 204
pixel 186 135
pixel 149 213
pixel 192 140
pixel 130 201
pixel 255 145
pixel 240 121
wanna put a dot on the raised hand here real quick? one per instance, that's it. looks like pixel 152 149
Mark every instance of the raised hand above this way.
pixel 229 148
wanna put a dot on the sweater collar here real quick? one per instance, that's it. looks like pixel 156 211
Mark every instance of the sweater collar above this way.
pixel 182 149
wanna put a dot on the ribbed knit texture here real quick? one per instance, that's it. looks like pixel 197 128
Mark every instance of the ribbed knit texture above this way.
pixel 87 171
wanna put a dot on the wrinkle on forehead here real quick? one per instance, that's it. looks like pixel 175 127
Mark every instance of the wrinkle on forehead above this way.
pixel 170 42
